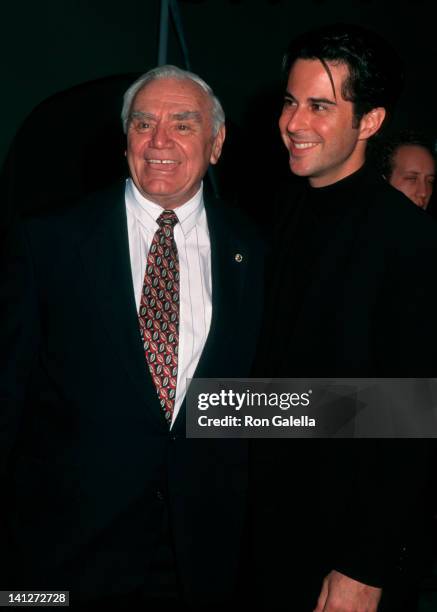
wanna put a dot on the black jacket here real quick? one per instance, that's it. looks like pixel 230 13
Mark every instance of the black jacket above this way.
pixel 87 461
pixel 352 294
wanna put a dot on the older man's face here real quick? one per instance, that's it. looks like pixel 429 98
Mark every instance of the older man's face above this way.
pixel 170 142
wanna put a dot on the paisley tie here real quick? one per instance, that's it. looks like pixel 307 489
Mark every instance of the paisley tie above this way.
pixel 159 312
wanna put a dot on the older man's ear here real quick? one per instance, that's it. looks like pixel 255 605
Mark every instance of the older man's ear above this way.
pixel 217 145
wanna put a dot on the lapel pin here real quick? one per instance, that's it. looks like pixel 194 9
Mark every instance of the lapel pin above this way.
pixel 238 257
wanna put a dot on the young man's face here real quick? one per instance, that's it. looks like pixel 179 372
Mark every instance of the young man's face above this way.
pixel 414 173
pixel 316 124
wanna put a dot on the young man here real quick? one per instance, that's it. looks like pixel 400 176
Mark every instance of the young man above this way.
pixel 344 303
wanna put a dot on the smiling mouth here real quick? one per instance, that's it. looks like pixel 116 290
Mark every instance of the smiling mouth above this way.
pixel 161 162
pixel 300 146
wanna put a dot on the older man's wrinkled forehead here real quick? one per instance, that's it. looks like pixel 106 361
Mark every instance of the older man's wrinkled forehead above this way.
pixel 189 101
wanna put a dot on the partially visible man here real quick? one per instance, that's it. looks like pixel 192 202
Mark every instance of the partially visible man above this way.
pixel 356 262
pixel 107 309
pixel 409 165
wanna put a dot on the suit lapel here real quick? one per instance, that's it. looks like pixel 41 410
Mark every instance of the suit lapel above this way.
pixel 106 258
pixel 228 275
pixel 228 270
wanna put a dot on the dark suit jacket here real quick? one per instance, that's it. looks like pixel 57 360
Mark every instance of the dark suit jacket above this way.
pixel 87 460
pixel 363 306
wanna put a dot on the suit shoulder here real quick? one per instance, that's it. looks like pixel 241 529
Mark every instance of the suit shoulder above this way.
pixel 234 220
pixel 400 217
pixel 75 220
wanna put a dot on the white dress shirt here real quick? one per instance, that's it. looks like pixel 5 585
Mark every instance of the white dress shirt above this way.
pixel 194 250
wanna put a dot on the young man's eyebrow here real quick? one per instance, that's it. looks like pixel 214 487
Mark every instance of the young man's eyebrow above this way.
pixel 289 96
pixel 322 101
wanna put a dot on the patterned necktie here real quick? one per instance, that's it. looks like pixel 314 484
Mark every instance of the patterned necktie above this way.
pixel 159 312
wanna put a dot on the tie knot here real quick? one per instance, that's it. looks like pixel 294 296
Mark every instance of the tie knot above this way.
pixel 167 218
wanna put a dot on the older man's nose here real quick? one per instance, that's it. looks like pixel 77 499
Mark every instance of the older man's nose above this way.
pixel 160 138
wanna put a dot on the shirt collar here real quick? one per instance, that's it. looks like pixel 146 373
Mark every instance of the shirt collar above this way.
pixel 147 212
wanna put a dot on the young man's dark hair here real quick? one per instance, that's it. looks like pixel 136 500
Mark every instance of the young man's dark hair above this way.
pixel 376 72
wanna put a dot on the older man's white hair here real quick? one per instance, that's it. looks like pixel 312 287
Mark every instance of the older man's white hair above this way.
pixel 171 72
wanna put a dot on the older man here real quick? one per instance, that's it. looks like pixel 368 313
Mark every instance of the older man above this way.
pixel 108 308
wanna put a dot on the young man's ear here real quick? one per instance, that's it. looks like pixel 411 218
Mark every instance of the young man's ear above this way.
pixel 371 122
